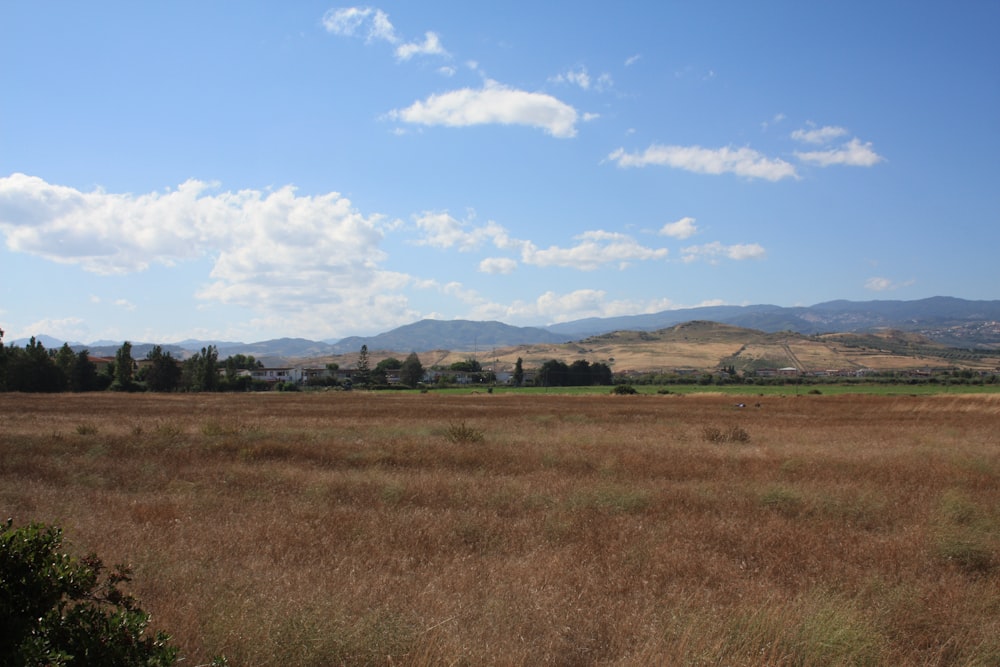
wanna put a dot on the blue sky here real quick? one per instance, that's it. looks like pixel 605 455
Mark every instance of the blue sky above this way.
pixel 253 170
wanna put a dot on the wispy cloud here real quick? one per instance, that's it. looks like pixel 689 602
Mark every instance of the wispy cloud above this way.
pixel 593 250
pixel 744 162
pixel 494 103
pixel 879 284
pixel 852 154
pixel 374 25
pixel 716 250
pixel 581 77
pixel 681 229
pixel 819 135
pixel 431 46
pixel 631 60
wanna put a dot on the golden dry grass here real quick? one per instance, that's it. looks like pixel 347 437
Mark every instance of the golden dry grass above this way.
pixel 350 528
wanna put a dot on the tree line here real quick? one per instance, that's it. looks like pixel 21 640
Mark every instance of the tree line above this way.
pixel 33 368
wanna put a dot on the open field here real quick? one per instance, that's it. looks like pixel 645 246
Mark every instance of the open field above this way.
pixel 530 529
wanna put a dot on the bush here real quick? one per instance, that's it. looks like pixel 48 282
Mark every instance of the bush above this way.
pixel 59 610
pixel 731 434
pixel 462 433
pixel 624 390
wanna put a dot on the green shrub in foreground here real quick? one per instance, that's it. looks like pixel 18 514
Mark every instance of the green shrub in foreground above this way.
pixel 60 610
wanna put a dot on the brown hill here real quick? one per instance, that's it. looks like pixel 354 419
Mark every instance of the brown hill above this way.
pixel 705 346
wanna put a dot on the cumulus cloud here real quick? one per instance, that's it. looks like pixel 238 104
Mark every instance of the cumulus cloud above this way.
pixel 274 251
pixel 740 161
pixel 715 250
pixel 441 230
pixel 498 265
pixel 681 229
pixel 852 154
pixel 494 103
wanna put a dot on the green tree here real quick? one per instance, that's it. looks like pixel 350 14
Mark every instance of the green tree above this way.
pixel 83 377
pixel 201 370
pixel 65 361
pixel 553 373
pixel 56 609
pixel 412 371
pixel 32 369
pixel 362 372
pixel 124 368
pixel 379 375
pixel 163 372
pixel 470 365
pixel 3 364
pixel 601 374
pixel 518 372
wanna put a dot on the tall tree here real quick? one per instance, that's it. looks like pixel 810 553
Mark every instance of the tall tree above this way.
pixel 84 374
pixel 163 372
pixel 65 360
pixel 32 369
pixel 412 371
pixel 3 364
pixel 124 368
pixel 363 372
pixel 518 372
pixel 201 370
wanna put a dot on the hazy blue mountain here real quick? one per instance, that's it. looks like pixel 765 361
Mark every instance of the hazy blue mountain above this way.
pixel 956 322
pixel 450 335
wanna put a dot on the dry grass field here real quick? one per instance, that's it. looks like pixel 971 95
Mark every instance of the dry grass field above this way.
pixel 423 529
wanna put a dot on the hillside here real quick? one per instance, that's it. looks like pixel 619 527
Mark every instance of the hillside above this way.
pixel 703 346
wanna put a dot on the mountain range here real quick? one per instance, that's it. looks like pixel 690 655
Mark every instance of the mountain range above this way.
pixel 948 320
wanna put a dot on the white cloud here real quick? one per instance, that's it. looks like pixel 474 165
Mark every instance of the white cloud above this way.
pixel 580 77
pixel 70 329
pixel 740 161
pixel 349 21
pixel 497 265
pixel 276 252
pixel 631 60
pixel 553 307
pixel 878 284
pixel 494 103
pixel 125 304
pixel 594 250
pixel 681 229
pixel 852 154
pixel 715 250
pixel 819 135
pixel 441 230
pixel 431 46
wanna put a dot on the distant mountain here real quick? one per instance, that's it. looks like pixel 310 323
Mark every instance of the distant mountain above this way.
pixel 944 319
pixel 279 347
pixel 450 335
pixel 947 320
